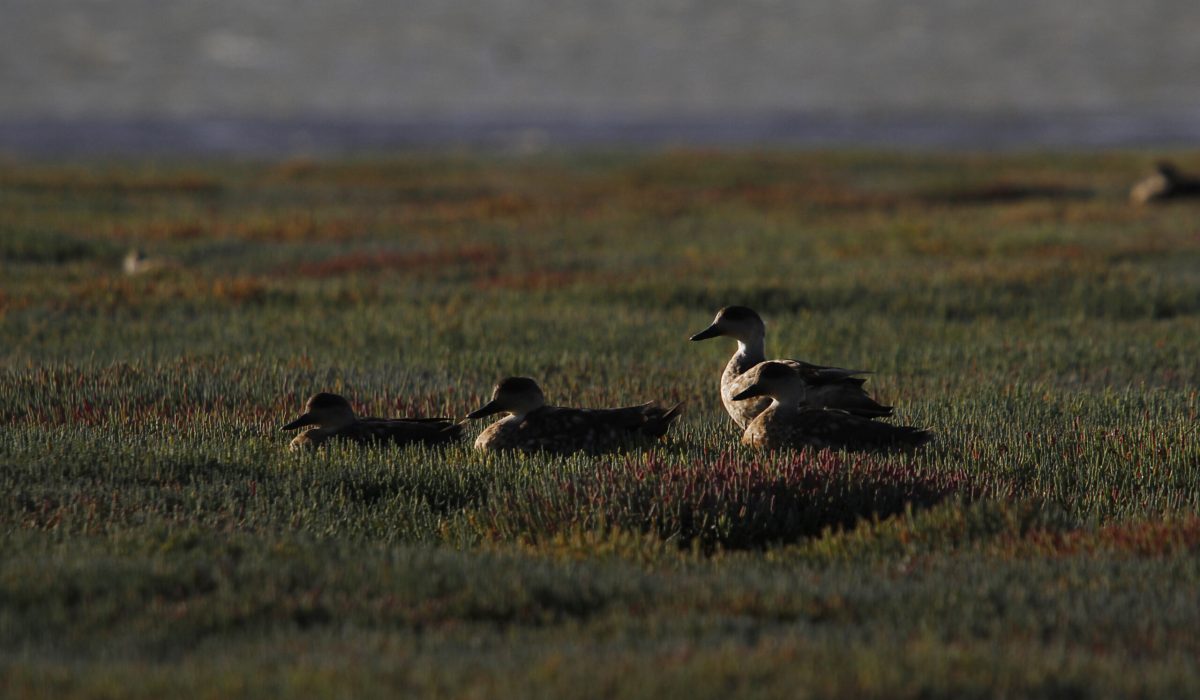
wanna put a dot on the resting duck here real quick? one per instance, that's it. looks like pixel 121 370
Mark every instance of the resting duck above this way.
pixel 335 419
pixel 789 422
pixel 532 426
pixel 1166 183
pixel 827 387
pixel 136 262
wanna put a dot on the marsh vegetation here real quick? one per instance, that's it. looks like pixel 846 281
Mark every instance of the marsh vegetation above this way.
pixel 157 536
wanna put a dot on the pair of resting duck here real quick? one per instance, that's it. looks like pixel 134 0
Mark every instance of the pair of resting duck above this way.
pixel 789 403
pixel 778 404
pixel 529 424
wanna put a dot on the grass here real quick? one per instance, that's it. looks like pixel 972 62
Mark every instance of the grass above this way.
pixel 157 538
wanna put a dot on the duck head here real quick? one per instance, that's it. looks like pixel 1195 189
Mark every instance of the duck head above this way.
pixel 515 396
pixel 325 410
pixel 134 261
pixel 738 322
pixel 775 380
pixel 1167 170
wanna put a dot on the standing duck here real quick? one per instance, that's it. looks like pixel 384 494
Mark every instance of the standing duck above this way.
pixel 335 419
pixel 789 421
pixel 827 387
pixel 532 426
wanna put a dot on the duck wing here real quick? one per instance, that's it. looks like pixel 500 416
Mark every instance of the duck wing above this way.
pixel 823 427
pixel 403 431
pixel 1188 187
pixel 823 373
pixel 828 387
pixel 840 388
pixel 562 429
pixel 648 419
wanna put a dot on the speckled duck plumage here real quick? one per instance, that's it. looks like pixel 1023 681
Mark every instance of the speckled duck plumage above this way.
pixel 788 422
pixel 334 419
pixel 533 426
pixel 827 387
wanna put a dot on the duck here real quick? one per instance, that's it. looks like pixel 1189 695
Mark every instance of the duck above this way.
pixel 1166 183
pixel 137 262
pixel 530 425
pixel 334 419
pixel 828 387
pixel 788 421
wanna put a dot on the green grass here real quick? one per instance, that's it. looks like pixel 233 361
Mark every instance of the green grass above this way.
pixel 158 538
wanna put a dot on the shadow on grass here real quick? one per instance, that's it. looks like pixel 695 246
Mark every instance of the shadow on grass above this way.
pixel 68 181
pixel 727 503
pixel 1003 193
pixel 48 246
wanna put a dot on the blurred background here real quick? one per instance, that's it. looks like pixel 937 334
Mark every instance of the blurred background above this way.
pixel 298 76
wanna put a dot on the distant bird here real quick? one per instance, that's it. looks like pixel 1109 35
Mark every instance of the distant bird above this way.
pixel 1166 183
pixel 136 262
pixel 532 426
pixel 789 421
pixel 335 420
pixel 827 387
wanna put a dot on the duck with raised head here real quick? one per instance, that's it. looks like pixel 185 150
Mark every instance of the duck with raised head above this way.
pixel 530 425
pixel 789 421
pixel 827 387
pixel 1166 183
pixel 334 419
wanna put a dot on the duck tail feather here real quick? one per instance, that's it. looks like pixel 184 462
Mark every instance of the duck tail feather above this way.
pixel 658 421
pixel 916 437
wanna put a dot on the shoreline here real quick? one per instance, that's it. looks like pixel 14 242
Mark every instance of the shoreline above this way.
pixel 331 137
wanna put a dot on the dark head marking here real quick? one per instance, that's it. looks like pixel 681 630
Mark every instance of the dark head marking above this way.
pixel 1167 169
pixel 517 385
pixel 326 400
pixel 739 313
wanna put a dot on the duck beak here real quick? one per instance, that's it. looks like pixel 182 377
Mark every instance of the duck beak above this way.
pixel 750 392
pixel 710 332
pixel 488 409
pixel 306 419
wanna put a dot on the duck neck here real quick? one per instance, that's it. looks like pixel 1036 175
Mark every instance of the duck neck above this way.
pixel 338 423
pixel 322 431
pixel 786 402
pixel 514 417
pixel 752 349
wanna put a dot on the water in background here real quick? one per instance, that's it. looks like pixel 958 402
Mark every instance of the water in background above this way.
pixel 275 76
